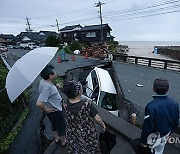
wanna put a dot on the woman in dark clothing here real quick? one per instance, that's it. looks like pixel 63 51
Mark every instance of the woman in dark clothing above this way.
pixel 80 115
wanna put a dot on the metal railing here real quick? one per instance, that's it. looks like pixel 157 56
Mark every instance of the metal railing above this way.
pixel 5 63
pixel 150 62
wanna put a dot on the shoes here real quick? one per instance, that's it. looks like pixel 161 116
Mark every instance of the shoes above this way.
pixel 64 145
pixel 57 142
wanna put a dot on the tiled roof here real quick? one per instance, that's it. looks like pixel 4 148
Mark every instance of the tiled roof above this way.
pixel 8 36
pixel 49 33
pixel 93 27
pixel 33 36
pixel 70 27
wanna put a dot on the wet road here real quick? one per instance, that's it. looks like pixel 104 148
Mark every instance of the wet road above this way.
pixel 28 140
pixel 130 75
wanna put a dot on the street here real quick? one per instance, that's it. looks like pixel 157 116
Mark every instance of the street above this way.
pixel 28 140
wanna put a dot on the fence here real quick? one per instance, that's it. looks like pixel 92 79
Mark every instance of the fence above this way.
pixel 14 110
pixel 150 62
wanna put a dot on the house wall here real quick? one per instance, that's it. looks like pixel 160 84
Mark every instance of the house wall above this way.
pixel 81 36
pixel 70 36
pixel 90 39
pixel 2 41
pixel 27 44
pixel 105 38
pixel 96 39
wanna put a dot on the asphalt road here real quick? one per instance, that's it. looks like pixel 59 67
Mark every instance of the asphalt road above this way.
pixel 28 140
pixel 130 75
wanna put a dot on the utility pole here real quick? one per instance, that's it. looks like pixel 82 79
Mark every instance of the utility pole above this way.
pixel 58 28
pixel 29 25
pixel 99 4
pixel 57 25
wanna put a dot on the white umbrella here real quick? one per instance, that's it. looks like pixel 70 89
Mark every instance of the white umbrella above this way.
pixel 26 69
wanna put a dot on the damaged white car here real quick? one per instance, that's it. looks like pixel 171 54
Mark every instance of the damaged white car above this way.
pixel 100 87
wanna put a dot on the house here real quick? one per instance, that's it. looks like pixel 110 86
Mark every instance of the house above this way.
pixel 2 41
pixel 88 34
pixel 10 39
pixel 25 38
pixel 92 34
pixel 48 33
pixel 70 33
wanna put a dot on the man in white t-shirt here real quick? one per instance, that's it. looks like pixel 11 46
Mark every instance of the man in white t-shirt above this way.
pixel 50 101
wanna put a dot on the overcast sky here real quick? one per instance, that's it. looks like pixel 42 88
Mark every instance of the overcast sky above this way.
pixel 130 20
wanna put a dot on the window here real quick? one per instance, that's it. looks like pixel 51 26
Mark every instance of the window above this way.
pixel 75 34
pixel 65 35
pixel 108 101
pixel 108 34
pixel 91 34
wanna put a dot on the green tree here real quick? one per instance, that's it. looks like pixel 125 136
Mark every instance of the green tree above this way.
pixel 75 46
pixel 113 45
pixel 52 41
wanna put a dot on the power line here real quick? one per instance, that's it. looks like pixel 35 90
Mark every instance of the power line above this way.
pixel 10 21
pixel 55 15
pixel 145 12
pixel 79 20
pixel 169 12
pixel 111 1
pixel 66 23
pixel 144 7
pixel 65 13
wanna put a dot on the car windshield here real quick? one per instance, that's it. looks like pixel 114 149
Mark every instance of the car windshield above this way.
pixel 108 101
pixel 95 85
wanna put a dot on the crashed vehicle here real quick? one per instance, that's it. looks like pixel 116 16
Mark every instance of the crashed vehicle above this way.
pixel 100 87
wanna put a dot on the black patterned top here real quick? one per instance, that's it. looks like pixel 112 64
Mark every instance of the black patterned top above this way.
pixel 75 107
pixel 81 132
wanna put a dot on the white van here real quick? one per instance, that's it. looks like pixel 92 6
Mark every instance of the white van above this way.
pixel 101 88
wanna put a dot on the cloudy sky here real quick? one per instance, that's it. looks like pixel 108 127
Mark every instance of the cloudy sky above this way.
pixel 130 20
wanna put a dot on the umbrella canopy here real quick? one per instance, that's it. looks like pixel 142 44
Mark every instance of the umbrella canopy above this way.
pixel 26 69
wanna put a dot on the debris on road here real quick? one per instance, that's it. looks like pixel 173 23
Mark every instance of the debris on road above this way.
pixel 139 85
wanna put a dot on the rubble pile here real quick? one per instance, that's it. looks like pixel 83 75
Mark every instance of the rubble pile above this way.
pixel 102 51
pixel 95 51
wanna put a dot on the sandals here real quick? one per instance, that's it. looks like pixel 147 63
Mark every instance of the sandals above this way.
pixel 57 142
pixel 64 145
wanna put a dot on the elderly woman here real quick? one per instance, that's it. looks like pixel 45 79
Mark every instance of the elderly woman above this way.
pixel 80 115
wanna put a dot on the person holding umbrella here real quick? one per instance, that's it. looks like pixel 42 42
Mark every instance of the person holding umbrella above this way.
pixel 80 115
pixel 50 101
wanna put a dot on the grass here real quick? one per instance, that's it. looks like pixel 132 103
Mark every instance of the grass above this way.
pixel 7 141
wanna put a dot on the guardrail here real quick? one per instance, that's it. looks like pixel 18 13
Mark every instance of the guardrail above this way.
pixel 5 62
pixel 150 62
